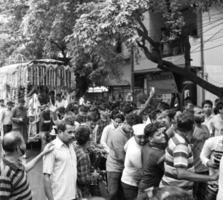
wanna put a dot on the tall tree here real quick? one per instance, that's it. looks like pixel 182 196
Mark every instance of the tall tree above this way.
pixel 103 23
pixel 37 29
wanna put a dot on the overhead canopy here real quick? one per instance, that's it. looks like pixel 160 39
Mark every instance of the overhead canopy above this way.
pixel 47 72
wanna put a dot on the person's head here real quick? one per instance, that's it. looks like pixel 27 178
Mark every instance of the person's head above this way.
pixel 162 106
pixel 66 132
pixel 154 115
pixel 155 133
pixel 82 135
pixel 198 115
pixel 166 117
pixel 59 97
pixel 9 105
pixel 138 132
pixel 91 120
pixel 88 104
pixel 1 102
pixel 216 101
pixel 82 110
pixel 130 120
pixel 188 105
pixel 185 124
pixel 21 102
pixel 207 106
pixel 104 112
pixel 61 112
pixel 14 144
pixel 118 119
pixel 219 107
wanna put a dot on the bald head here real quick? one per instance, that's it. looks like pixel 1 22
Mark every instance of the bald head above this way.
pixel 11 140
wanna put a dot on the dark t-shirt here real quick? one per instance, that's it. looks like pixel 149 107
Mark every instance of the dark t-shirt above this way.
pixel 152 168
pixel 45 116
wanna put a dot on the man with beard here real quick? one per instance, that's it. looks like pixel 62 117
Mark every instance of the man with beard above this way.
pixel 200 134
pixel 207 106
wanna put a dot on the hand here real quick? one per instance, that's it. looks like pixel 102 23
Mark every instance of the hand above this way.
pixel 211 164
pixel 49 147
pixel 215 177
pixel 152 92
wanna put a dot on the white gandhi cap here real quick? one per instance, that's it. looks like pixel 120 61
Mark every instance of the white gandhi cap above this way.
pixel 138 129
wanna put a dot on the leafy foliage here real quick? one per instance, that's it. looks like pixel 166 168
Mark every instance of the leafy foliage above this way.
pixel 102 24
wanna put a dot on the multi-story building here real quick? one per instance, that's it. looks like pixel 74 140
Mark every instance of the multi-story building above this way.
pixel 212 30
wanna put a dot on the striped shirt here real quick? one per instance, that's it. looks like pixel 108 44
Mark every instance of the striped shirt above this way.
pixel 13 182
pixel 177 155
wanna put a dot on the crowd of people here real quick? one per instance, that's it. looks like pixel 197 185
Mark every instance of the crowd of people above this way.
pixel 146 152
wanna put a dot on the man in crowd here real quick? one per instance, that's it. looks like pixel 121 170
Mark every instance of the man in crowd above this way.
pixel 82 137
pixel 152 162
pixel 200 135
pixel 20 119
pixel 178 165
pixel 211 155
pixel 6 118
pixel 220 182
pixel 13 177
pixel 60 166
pixel 133 164
pixel 217 121
pixel 45 125
pixel 207 106
pixel 116 156
pixel 109 130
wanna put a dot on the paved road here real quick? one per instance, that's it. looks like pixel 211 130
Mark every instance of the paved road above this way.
pixel 36 178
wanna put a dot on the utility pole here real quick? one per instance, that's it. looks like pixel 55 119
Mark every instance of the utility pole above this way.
pixel 202 52
pixel 132 86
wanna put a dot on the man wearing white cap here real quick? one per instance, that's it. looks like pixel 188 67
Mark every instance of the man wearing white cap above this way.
pixel 133 163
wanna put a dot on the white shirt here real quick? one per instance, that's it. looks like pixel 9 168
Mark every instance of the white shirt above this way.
pixel 220 182
pixel 207 122
pixel 106 134
pixel 62 103
pixel 133 163
pixel 61 164
pixel 6 117
pixel 216 124
pixel 212 150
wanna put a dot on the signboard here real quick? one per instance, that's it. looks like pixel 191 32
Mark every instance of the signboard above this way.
pixel 163 82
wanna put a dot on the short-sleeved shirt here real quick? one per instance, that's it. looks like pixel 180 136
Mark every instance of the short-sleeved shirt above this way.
pixel 45 116
pixel 152 168
pixel 133 163
pixel 216 124
pixel 177 155
pixel 13 182
pixel 19 113
pixel 61 165
pixel 116 155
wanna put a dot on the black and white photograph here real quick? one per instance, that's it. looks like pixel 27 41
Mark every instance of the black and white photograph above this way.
pixel 111 100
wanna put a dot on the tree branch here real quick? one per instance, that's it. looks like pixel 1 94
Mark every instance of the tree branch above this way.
pixel 168 66
pixel 60 47
pixel 144 32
